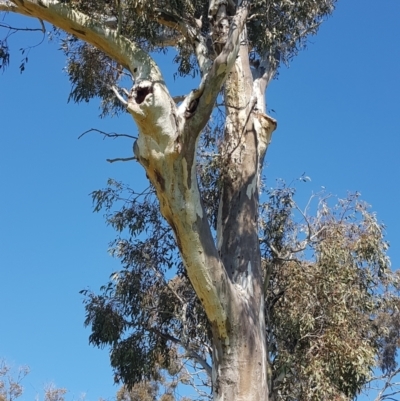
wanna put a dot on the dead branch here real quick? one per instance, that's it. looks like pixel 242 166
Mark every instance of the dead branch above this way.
pixel 14 28
pixel 119 97
pixel 121 159
pixel 106 134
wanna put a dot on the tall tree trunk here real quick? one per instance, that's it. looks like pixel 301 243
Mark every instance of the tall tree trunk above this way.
pixel 240 364
pixel 227 277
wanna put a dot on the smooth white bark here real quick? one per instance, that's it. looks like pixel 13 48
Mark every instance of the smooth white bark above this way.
pixel 166 147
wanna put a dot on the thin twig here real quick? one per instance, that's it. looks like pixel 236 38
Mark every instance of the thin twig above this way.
pixel 20 29
pixel 121 159
pixel 107 135
pixel 388 384
pixel 42 25
pixel 189 352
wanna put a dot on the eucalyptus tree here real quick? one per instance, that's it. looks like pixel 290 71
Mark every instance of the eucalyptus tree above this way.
pixel 202 153
pixel 332 302
pixel 12 388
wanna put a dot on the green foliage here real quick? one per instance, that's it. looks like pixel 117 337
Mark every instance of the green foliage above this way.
pixel 162 390
pixel 277 29
pixel 92 74
pixel 148 309
pixel 332 302
pixel 11 387
pixel 4 55
pixel 331 299
pixel 144 391
pixel 327 295
pixel 280 28
pixel 10 384
pixel 209 163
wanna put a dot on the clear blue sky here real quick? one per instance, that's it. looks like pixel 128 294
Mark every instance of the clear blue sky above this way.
pixel 338 111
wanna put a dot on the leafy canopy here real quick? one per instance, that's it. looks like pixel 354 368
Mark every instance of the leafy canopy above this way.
pixel 332 300
pixel 276 31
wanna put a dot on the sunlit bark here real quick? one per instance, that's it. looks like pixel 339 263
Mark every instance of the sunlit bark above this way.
pixel 227 277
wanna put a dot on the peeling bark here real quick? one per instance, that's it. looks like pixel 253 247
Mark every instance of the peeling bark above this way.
pixel 241 367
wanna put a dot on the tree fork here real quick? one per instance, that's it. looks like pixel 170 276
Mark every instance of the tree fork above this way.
pixel 166 147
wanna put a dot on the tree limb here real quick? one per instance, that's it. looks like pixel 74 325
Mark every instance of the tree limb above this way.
pixel 13 28
pixel 178 99
pixel 189 352
pixel 106 134
pixel 6 5
pixel 191 30
pixel 119 97
pixel 388 384
pixel 118 47
pixel 121 159
pixel 212 82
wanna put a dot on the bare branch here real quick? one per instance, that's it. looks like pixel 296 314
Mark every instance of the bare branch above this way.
pixel 388 384
pixel 125 91
pixel 167 40
pixel 121 159
pixel 212 82
pixel 178 99
pixel 13 28
pixel 189 353
pixel 195 356
pixel 106 134
pixel 42 24
pixel 119 97
pixel 192 32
